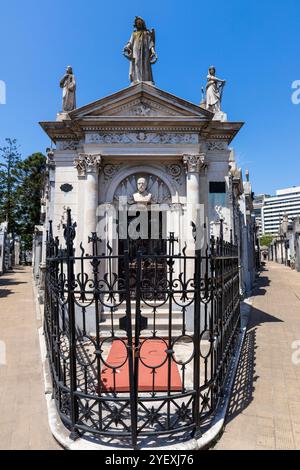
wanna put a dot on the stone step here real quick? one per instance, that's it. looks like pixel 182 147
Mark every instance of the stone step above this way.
pixel 146 313
pixel 144 334
pixel 160 323
pixel 150 308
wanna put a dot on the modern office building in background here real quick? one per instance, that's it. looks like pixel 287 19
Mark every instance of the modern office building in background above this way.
pixel 257 206
pixel 269 210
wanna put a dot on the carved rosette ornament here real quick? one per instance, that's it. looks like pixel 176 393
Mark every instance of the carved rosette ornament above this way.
pixel 175 171
pixel 194 163
pixel 87 163
pixel 109 170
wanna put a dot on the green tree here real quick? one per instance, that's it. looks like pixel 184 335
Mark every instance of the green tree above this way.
pixel 266 240
pixel 9 181
pixel 32 173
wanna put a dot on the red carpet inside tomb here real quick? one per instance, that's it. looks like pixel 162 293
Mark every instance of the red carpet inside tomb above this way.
pixel 153 353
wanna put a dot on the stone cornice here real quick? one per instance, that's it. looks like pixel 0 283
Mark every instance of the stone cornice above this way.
pixel 75 131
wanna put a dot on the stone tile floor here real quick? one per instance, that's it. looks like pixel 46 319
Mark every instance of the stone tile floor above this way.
pixel 265 407
pixel 23 412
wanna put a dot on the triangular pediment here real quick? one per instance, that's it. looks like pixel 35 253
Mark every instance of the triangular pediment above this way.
pixel 141 101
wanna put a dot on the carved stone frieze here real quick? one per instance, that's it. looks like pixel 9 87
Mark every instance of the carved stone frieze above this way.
pixel 67 145
pixel 214 145
pixel 143 137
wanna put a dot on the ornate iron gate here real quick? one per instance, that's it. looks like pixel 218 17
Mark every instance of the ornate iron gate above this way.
pixel 135 370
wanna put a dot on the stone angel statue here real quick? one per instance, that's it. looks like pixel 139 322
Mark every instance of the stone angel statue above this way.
pixel 68 85
pixel 140 50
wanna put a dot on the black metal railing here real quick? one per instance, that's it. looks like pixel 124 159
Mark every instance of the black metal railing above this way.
pixel 135 368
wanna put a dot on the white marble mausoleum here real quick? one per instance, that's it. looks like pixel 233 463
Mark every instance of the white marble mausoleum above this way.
pixel 142 296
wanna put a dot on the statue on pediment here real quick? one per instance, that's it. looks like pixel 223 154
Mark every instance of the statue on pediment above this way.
pixel 68 85
pixel 214 91
pixel 140 50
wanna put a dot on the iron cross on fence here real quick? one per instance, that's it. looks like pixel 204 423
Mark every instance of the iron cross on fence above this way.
pixel 172 239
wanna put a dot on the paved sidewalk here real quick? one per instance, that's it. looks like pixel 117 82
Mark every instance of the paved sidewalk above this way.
pixel 23 413
pixel 265 407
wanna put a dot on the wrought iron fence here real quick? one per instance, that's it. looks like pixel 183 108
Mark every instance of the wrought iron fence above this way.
pixel 137 368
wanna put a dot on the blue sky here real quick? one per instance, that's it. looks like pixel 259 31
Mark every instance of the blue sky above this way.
pixel 254 46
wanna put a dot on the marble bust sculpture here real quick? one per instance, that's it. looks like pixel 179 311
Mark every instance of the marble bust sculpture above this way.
pixel 142 195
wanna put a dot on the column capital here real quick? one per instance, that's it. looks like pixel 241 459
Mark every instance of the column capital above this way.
pixel 87 163
pixel 194 163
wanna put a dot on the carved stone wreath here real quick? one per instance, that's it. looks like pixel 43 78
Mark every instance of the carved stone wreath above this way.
pixel 109 170
pixel 175 171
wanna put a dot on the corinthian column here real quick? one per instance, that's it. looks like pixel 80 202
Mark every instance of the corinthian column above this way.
pixel 194 165
pixel 88 165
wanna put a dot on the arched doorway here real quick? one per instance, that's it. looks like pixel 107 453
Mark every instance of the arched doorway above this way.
pixel 142 202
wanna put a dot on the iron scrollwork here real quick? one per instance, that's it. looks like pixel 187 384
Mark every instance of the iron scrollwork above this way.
pixel 138 367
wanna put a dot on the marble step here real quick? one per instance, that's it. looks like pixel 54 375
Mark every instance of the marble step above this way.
pixel 146 313
pixel 144 334
pixel 160 323
pixel 160 307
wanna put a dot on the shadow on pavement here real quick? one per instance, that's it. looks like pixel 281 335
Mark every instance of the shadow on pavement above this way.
pixel 242 394
pixel 262 282
pixel 7 280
